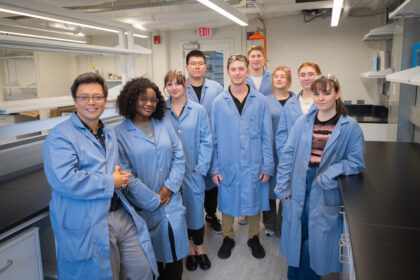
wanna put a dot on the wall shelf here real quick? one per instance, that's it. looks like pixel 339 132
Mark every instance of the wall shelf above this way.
pixel 410 8
pixel 17 106
pixel 32 44
pixel 380 33
pixel 376 74
pixel 410 76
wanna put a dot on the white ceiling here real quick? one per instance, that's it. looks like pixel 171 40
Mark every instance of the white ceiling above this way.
pixel 184 14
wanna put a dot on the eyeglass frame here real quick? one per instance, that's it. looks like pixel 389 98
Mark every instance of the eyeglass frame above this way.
pixel 145 100
pixel 87 98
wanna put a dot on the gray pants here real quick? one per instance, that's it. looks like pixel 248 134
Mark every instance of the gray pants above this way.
pixel 128 261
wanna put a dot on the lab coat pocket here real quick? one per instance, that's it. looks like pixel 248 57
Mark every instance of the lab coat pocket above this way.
pixel 197 183
pixel 77 245
pixel 228 175
pixel 292 210
pixel 325 218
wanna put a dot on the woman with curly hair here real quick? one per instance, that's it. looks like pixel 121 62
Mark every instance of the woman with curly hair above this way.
pixel 151 151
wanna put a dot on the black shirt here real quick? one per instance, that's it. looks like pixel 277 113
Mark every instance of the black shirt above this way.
pixel 198 91
pixel 238 103
pixel 282 102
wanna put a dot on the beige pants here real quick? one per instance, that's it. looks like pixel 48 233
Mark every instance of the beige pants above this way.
pixel 227 225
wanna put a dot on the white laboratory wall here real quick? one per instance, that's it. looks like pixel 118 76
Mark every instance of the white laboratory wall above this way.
pixel 338 50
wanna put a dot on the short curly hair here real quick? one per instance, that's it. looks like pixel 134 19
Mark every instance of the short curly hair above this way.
pixel 127 100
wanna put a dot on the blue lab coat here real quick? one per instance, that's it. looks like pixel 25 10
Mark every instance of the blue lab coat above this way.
pixel 243 149
pixel 291 113
pixel 193 129
pixel 265 87
pixel 80 171
pixel 211 89
pixel 276 109
pixel 343 155
pixel 154 165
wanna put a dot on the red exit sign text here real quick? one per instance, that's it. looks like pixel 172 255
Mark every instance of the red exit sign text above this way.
pixel 204 32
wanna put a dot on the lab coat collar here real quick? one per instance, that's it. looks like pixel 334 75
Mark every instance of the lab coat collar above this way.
pixel 187 108
pixel 251 94
pixel 344 120
pixel 137 132
pixel 79 125
pixel 193 95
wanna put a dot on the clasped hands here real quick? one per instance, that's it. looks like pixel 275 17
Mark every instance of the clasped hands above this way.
pixel 121 178
pixel 217 178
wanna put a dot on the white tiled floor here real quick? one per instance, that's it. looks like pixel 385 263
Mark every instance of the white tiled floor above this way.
pixel 241 265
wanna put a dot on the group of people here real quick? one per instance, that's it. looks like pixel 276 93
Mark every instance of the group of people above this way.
pixel 129 202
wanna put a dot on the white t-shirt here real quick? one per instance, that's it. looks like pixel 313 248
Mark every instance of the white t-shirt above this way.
pixel 257 81
pixel 305 104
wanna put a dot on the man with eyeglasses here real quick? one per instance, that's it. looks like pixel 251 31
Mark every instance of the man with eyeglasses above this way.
pixel 243 155
pixel 98 234
pixel 204 91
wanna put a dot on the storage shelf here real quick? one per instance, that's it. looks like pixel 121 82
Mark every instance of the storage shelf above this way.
pixel 17 57
pixel 410 8
pixel 32 44
pixel 380 33
pixel 410 76
pixel 376 74
pixel 9 107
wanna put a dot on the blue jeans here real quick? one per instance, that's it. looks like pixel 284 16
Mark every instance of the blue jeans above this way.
pixel 304 271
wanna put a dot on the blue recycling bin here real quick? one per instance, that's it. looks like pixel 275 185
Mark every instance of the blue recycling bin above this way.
pixel 416 55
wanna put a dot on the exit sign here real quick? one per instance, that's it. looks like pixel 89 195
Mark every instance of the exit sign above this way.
pixel 204 32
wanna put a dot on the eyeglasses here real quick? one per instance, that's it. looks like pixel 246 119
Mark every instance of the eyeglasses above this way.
pixel 327 76
pixel 282 68
pixel 144 100
pixel 237 57
pixel 196 63
pixel 86 98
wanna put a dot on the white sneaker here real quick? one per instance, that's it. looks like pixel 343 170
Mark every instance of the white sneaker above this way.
pixel 242 220
pixel 269 233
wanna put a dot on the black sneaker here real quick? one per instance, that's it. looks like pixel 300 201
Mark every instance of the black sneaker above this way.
pixel 226 248
pixel 257 249
pixel 214 223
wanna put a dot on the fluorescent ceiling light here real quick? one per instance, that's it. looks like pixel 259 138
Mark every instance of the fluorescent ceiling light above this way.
pixel 336 11
pixel 42 37
pixel 58 20
pixel 222 8
pixel 139 26
pixel 138 35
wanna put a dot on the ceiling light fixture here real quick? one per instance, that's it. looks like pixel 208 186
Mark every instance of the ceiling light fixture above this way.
pixel 41 37
pixel 58 20
pixel 226 10
pixel 336 11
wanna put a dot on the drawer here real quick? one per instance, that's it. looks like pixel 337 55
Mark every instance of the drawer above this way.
pixel 19 250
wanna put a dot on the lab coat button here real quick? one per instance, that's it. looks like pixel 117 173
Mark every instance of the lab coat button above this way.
pixel 179 130
pixel 160 169
pixel 167 215
pixel 157 152
pixel 105 224
pixel 107 202
pixel 301 202
pixel 106 247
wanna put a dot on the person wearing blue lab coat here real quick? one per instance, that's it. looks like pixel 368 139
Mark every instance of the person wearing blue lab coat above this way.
pixel 323 144
pixel 98 234
pixel 299 104
pixel 191 123
pixel 151 151
pixel 204 91
pixel 281 80
pixel 258 78
pixel 243 155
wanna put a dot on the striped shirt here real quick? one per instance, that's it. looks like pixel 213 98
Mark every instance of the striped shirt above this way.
pixel 321 134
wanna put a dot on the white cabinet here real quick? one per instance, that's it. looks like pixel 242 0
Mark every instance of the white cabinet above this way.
pixel 20 257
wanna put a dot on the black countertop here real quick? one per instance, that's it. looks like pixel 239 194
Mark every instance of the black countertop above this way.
pixel 383 211
pixel 23 198
pixel 368 113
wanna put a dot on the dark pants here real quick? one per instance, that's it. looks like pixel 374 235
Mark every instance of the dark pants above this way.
pixel 197 235
pixel 210 201
pixel 304 271
pixel 173 270
pixel 272 218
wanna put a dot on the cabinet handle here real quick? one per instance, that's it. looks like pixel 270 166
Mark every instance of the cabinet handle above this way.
pixel 6 266
pixel 344 251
